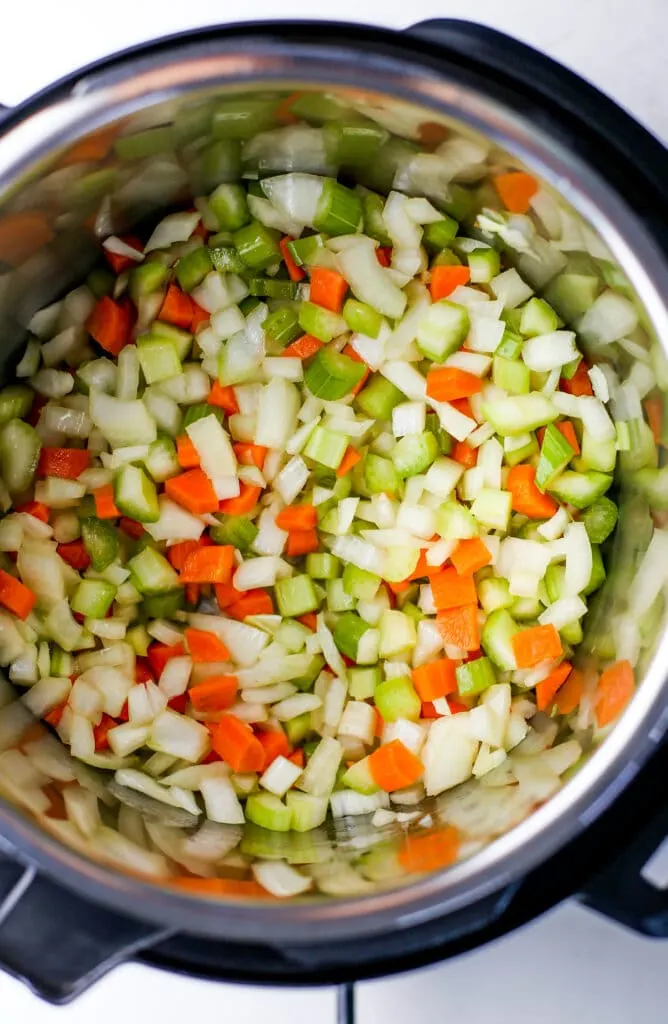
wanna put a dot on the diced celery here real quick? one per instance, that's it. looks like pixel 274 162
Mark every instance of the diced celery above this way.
pixel 135 495
pixel 282 325
pixel 519 414
pixel 348 632
pixel 242 117
pixel 455 521
pixel 257 245
pixel 295 596
pixel 269 812
pixel 484 264
pixel 653 485
pixel 442 330
pixel 307 812
pixel 229 206
pixel 555 454
pixel 151 572
pixel 101 282
pixel 475 677
pixel 272 288
pixel 339 209
pixel 93 598
pixel 297 729
pixel 158 359
pixel 193 268
pixel 164 606
pixel 161 461
pixel 397 698
pixel 492 508
pixel 362 318
pixel 15 402
pixel 181 339
pixel 359 778
pixel 414 453
pixel 510 346
pixel 378 398
pixel 305 682
pixel 494 593
pixel 139 639
pixel 326 447
pixel 338 599
pixel 496 638
pixel 597 578
pixel 572 294
pixel 439 234
pixel 359 583
pixel 323 324
pixel 226 259
pixel 19 453
pixel 538 317
pixel 332 375
pixel 600 519
pixel 511 375
pixel 397 633
pixel 239 531
pixel 362 684
pixel 323 566
pixel 146 143
pixel 147 278
pixel 380 475
pixel 519 449
pixel 580 489
pixel 100 540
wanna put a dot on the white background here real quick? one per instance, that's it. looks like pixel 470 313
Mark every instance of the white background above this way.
pixel 570 966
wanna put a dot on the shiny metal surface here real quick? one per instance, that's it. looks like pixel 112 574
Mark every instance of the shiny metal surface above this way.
pixel 144 91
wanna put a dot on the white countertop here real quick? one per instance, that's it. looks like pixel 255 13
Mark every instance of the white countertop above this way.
pixel 570 965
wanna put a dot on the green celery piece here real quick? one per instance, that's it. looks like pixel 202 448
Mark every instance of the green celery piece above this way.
pixel 146 143
pixel 538 317
pixel 580 489
pixel 242 117
pixel 378 398
pixel 257 245
pixel 339 209
pixel 323 566
pixel 359 583
pixel 362 318
pixel 19 454
pixel 484 265
pixel 295 596
pixel 474 677
pixel 597 578
pixel 600 519
pixel 273 288
pixel 414 453
pixel 354 143
pixel 348 631
pixel 158 359
pixel 494 593
pixel 322 324
pixel 511 375
pixel 442 330
pixel 332 375
pixel 380 475
pixel 374 225
pixel 359 778
pixel 326 447
pixel 306 681
pixel 282 325
pixel 555 454
pixel 15 402
pixel 397 698
pixel 135 495
pixel 496 638
pixel 269 812
pixel 239 531
pixel 363 682
pixel 229 205
pixel 338 600
pixel 93 598
pixel 151 573
pixel 100 539
pixel 147 278
pixel 439 234
pixel 519 414
pixel 164 606
pixel 193 268
pixel 226 259
pixel 101 282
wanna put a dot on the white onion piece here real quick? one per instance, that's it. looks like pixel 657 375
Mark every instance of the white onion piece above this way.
pixel 369 281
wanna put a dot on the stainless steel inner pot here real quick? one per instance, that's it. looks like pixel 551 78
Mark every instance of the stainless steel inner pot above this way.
pixel 57 157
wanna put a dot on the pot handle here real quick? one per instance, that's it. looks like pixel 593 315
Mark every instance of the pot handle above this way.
pixel 54 941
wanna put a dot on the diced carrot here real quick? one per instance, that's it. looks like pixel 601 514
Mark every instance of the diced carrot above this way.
pixel 91 149
pixel 422 570
pixel 274 743
pixel 352 354
pixel 384 255
pixel 459 627
pixel 527 499
pixel 303 348
pixel 579 383
pixel 309 619
pixel 177 308
pixel 297 517
pixel 101 732
pixel 464 454
pixel 117 261
pixel 143 673
pixel 536 644
pixel 463 406
pixel 186 452
pixel 295 272
pixel 244 503
pixel 568 696
pixel 217 693
pixel 53 717
pixel 283 112
pixel 237 745
pixel 516 189
pixel 226 595
pixel 199 316
pixel 380 724
pixel 450 590
pixel 35 508
pixel 448 383
pixel 614 691
pixel 75 554
pixel 328 288
pixel 253 602
pixel 297 757
pixel 179 703
pixel 456 706
pixel 178 553
pixel 250 454
pixel 350 458
pixel 431 852
pixel 242 888
pixel 105 506
pixel 444 280
pixel 131 527
pixel 67 463
pixel 398 587
pixel 547 688
pixel 428 710
pixel 194 491
pixel 204 646
pixel 470 555
pixel 192 592
pixel 223 397
pixel 109 325
pixel 209 565
pixel 301 542
pixel 22 234
pixel 566 428
pixel 393 766
pixel 435 680
pixel 431 134
pixel 653 406
pixel 159 654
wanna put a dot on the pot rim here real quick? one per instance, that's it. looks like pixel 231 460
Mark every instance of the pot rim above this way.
pixel 399 66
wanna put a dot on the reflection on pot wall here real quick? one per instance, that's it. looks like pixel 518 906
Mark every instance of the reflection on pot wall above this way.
pixel 120 179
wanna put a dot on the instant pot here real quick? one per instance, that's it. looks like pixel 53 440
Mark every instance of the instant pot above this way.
pixel 65 917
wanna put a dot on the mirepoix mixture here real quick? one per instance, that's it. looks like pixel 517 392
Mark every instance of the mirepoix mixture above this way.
pixel 304 494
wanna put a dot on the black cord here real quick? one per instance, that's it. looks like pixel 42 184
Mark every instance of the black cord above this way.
pixel 345 1004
